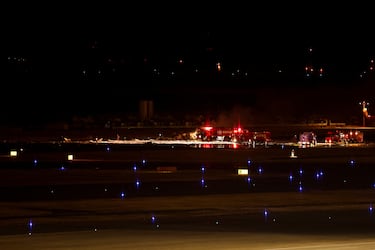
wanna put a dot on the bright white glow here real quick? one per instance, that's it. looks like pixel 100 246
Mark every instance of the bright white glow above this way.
pixel 243 171
pixel 218 65
pixel 13 153
pixel 70 157
pixel 292 154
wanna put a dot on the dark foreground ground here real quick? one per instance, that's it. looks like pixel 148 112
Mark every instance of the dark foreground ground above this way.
pixel 186 198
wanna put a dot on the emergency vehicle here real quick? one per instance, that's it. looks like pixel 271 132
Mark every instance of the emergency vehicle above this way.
pixel 307 139
pixel 236 134
pixel 342 136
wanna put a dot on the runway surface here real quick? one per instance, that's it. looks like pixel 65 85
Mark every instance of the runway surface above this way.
pixel 186 198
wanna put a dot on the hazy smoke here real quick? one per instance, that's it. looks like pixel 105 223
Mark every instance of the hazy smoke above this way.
pixel 238 115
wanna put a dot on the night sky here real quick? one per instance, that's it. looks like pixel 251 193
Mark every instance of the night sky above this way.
pixel 59 63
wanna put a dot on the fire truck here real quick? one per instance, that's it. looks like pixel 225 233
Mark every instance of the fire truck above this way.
pixel 236 134
pixel 209 133
pixel 355 136
pixel 261 136
pixel 342 136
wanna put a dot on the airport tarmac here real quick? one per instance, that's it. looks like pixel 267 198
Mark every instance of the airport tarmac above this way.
pixel 187 198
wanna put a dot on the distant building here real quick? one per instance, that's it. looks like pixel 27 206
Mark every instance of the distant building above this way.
pixel 146 110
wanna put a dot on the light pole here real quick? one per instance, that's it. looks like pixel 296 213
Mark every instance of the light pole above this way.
pixel 364 112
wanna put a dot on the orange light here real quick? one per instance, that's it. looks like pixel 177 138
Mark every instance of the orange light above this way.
pixel 218 66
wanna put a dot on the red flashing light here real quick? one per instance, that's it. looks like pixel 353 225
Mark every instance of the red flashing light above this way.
pixel 208 128
pixel 237 130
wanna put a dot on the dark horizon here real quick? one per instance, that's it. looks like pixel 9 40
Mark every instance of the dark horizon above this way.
pixel 103 64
